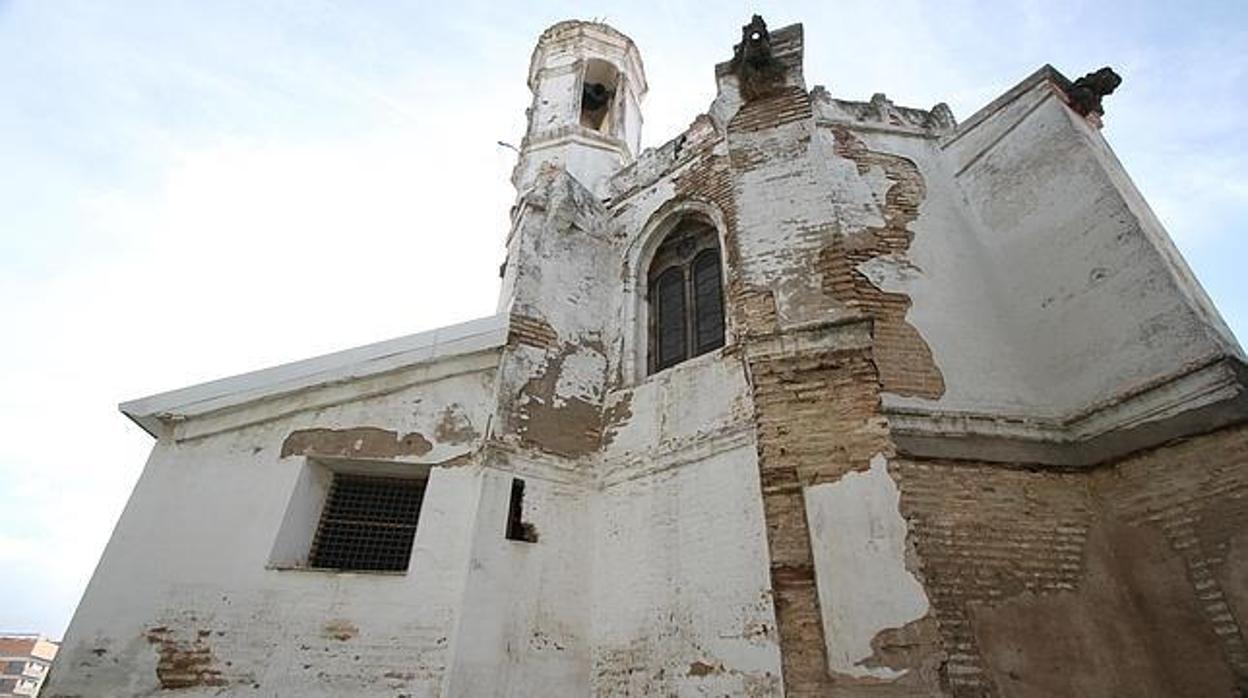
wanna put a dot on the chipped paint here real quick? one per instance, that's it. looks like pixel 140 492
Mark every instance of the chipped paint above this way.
pixel 616 415
pixel 856 265
pixel 184 663
pixel 559 409
pixel 340 630
pixel 454 426
pixel 364 442
pixel 752 512
pixel 865 588
pixel 700 668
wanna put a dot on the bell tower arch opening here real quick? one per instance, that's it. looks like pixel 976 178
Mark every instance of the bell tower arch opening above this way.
pixel 588 83
pixel 599 87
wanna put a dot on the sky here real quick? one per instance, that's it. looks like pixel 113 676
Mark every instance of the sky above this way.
pixel 190 190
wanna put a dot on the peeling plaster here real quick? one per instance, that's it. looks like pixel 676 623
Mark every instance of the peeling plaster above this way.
pixel 616 415
pixel 858 537
pixel 580 376
pixel 734 517
pixel 185 663
pixel 454 426
pixel 889 273
pixel 852 267
pixel 363 442
pixel 566 423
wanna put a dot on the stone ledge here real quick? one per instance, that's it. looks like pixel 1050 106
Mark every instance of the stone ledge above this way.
pixel 156 413
pixel 617 469
pixel 1201 399
pixel 842 334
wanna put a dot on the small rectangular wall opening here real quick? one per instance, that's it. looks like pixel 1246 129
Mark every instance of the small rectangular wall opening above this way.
pixel 351 515
pixel 517 527
pixel 368 524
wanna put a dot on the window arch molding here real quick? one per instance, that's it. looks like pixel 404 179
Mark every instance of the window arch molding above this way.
pixel 639 257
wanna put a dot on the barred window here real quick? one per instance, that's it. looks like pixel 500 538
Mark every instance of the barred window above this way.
pixel 685 296
pixel 368 523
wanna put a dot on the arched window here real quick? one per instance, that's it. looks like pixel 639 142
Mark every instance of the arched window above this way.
pixel 686 298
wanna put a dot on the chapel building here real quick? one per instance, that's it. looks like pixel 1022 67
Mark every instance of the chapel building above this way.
pixel 819 398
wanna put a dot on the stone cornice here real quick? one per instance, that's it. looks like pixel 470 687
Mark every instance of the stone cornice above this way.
pixel 1044 74
pixel 579 135
pixel 340 372
pixel 1196 400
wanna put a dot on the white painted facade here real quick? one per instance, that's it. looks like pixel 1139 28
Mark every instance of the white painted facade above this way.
pixel 1054 306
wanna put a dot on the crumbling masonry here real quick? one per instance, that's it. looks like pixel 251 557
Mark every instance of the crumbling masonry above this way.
pixel 971 429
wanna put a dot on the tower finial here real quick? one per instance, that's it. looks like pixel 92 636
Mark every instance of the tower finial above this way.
pixel 756 67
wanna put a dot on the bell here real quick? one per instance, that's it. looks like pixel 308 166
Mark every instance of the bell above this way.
pixel 595 96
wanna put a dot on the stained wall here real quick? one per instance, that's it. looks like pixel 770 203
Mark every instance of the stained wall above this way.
pixel 745 523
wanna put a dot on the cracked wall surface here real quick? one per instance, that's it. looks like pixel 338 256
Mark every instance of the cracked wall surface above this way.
pixel 186 597
pixel 748 522
pixel 855 262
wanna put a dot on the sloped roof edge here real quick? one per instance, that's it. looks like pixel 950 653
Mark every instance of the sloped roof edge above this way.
pixel 1045 73
pixel 370 359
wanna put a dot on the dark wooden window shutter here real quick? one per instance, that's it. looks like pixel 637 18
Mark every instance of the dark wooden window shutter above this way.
pixel 669 300
pixel 686 301
pixel 708 302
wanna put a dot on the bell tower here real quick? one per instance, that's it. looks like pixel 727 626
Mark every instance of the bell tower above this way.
pixel 587 82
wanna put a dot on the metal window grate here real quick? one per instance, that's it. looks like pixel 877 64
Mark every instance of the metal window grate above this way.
pixel 368 523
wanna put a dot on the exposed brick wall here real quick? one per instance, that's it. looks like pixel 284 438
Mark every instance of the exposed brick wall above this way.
pixel 905 360
pixel 790 395
pixel 983 534
pixel 787 105
pixel 996 547
pixel 533 331
pixel 1196 492
pixel 1138 561
pixel 817 413
pixel 186 663
pixel 817 418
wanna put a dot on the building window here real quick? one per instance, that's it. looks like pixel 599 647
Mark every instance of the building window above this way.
pixel 686 298
pixel 517 527
pixel 368 523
